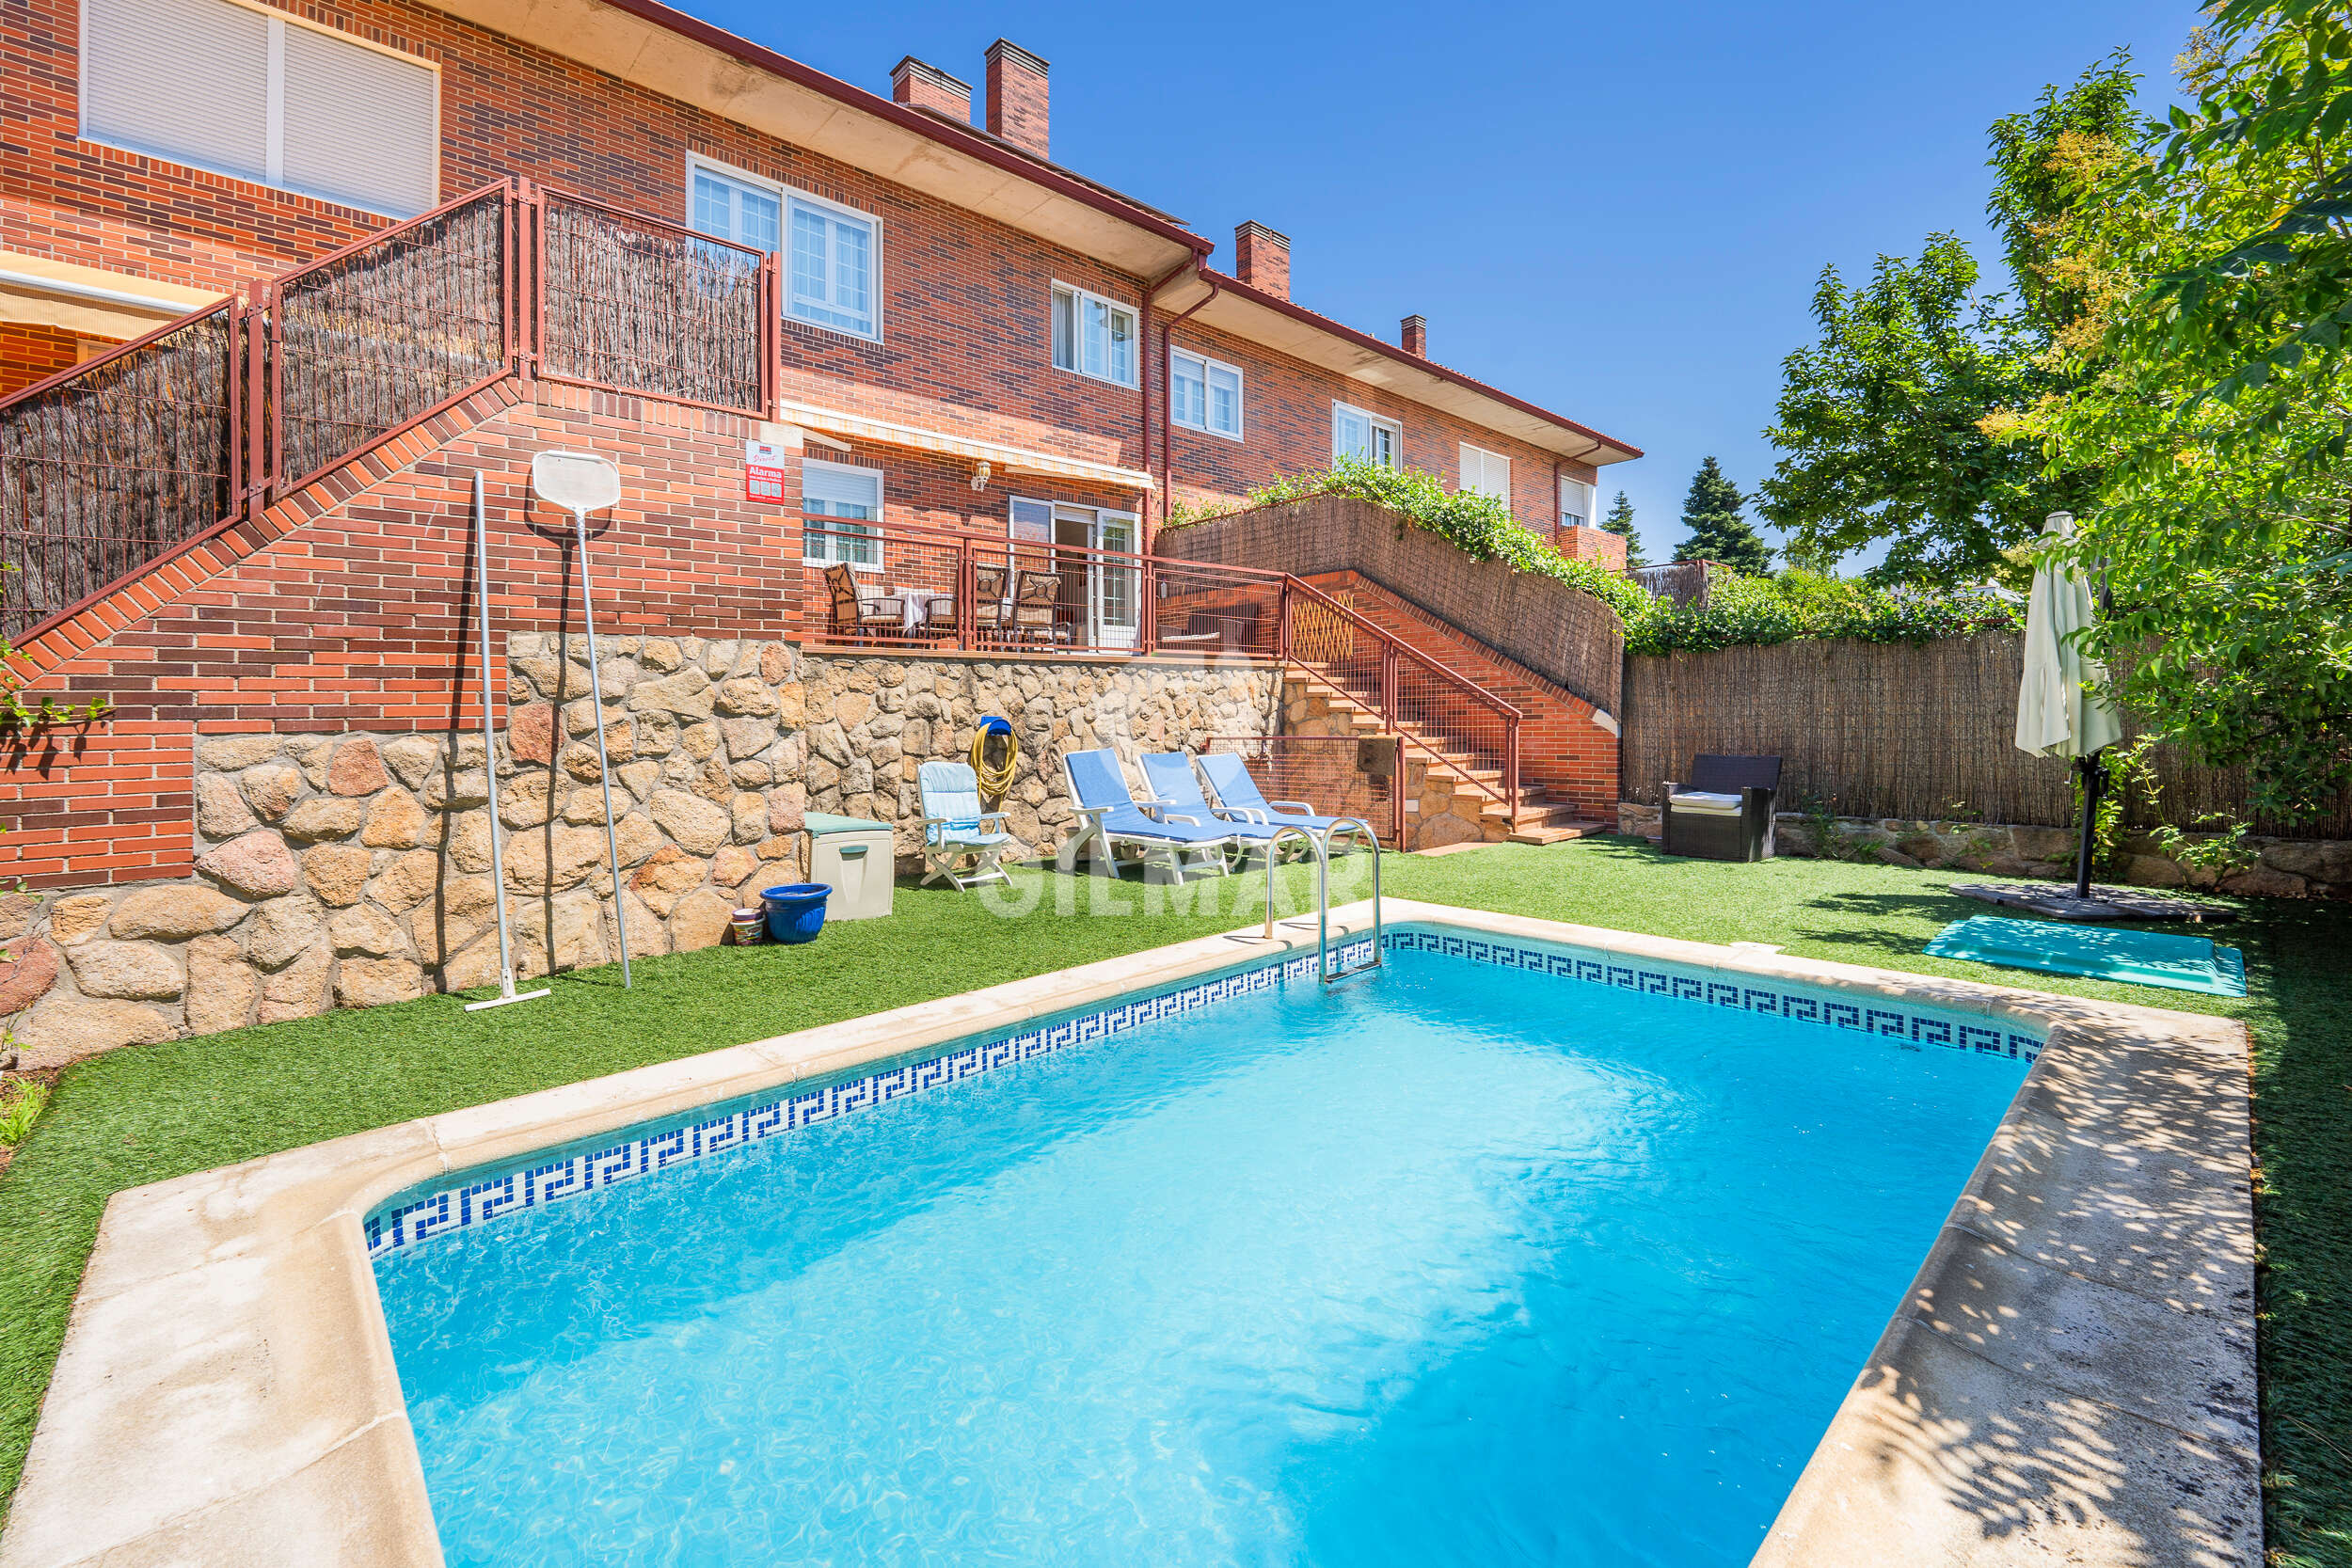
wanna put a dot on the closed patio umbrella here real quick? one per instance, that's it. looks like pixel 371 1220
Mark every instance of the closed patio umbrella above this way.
pixel 2058 713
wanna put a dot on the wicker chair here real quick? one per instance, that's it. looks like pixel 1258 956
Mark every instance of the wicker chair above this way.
pixel 991 615
pixel 859 613
pixel 1037 608
pixel 1723 812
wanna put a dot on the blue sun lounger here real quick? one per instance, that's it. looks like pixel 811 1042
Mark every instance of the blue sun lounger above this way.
pixel 1110 819
pixel 1169 776
pixel 1239 798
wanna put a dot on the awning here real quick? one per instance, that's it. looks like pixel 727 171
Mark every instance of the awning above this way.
pixel 1005 459
pixel 89 302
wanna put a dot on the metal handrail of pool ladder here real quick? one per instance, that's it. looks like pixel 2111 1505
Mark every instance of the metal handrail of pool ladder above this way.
pixel 1321 844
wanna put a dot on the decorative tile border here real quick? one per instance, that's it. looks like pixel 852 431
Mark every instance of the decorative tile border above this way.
pixel 410 1220
pixel 1982 1036
pixel 405 1222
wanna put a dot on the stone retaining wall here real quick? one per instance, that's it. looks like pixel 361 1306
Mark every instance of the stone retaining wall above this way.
pixel 2281 867
pixel 347 870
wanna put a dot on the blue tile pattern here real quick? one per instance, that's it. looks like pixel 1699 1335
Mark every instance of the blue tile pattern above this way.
pixel 1925 1026
pixel 411 1219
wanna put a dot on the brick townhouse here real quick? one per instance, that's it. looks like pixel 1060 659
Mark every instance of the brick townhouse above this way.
pixel 950 287
pixel 276 285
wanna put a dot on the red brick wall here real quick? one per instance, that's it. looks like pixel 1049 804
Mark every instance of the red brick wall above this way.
pixel 1596 545
pixel 1286 428
pixel 1561 747
pixel 30 354
pixel 357 614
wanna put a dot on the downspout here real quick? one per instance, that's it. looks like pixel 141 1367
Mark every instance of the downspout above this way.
pixel 1167 344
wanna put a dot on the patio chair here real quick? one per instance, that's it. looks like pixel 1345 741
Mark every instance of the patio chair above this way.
pixel 1169 777
pixel 1724 811
pixel 1037 608
pixel 954 828
pixel 991 614
pixel 1239 796
pixel 858 611
pixel 1110 819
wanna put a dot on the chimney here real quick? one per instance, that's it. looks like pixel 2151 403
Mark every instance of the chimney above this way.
pixel 1413 333
pixel 1016 96
pixel 926 86
pixel 1262 259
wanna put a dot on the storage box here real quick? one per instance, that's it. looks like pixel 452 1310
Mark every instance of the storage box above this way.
pixel 853 857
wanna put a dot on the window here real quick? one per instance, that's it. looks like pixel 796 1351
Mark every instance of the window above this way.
pixel 832 252
pixel 830 493
pixel 1576 504
pixel 262 96
pixel 1203 394
pixel 1093 335
pixel 736 210
pixel 1366 437
pixel 1486 473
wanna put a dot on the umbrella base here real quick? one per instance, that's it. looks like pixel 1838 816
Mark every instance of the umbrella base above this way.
pixel 2057 901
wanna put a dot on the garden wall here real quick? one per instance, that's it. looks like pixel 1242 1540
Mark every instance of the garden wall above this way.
pixel 1891 730
pixel 352 869
pixel 2268 867
pixel 1561 633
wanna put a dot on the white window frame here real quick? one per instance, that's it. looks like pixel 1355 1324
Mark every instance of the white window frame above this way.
pixel 275 125
pixel 1371 421
pixel 1586 495
pixel 1485 458
pixel 785 196
pixel 1080 296
pixel 1241 395
pixel 832 543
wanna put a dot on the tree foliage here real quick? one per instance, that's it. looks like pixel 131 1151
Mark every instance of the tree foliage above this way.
pixel 1718 531
pixel 1882 419
pixel 2213 391
pixel 1620 522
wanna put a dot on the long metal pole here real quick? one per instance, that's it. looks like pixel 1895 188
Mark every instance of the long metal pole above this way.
pixel 604 766
pixel 490 761
pixel 2094 776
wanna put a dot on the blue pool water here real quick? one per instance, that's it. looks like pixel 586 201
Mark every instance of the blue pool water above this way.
pixel 1451 1265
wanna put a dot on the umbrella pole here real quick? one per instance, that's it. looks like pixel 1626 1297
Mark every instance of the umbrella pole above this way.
pixel 2094 779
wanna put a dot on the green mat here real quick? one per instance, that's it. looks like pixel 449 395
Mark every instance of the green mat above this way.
pixel 2143 957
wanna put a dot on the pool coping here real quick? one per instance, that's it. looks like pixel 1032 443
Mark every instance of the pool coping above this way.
pixel 2069 1376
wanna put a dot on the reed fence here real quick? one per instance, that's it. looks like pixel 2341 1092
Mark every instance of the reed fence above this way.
pixel 1892 730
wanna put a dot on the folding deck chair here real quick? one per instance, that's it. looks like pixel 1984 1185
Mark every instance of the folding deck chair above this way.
pixel 1239 796
pixel 954 827
pixel 1110 819
pixel 1169 776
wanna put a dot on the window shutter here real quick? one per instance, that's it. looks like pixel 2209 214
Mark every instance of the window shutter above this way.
pixel 361 126
pixel 857 490
pixel 187 80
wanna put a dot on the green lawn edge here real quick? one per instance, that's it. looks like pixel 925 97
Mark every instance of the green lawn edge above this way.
pixel 151 1112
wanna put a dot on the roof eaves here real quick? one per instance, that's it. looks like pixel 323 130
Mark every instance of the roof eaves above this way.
pixel 1365 340
pixel 989 149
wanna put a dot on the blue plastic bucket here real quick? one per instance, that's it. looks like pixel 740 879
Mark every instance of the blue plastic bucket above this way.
pixel 796 912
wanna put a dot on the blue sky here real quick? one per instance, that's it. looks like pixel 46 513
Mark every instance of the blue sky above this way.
pixel 1615 212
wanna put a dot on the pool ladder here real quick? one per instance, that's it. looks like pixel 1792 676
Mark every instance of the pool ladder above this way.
pixel 1321 844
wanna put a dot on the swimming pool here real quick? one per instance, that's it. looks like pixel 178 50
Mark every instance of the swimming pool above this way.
pixel 1508 1253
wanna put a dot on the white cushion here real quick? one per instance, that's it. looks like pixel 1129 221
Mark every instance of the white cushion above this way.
pixel 1707 804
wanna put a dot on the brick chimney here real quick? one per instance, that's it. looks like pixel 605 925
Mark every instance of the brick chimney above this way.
pixel 1016 97
pixel 1413 333
pixel 919 85
pixel 1262 259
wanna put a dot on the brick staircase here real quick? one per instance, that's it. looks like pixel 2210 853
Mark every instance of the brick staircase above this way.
pixel 1442 782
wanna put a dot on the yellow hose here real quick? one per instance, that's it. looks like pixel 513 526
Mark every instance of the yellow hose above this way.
pixel 995 781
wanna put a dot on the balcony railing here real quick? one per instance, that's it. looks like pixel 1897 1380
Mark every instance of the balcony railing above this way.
pixel 873 586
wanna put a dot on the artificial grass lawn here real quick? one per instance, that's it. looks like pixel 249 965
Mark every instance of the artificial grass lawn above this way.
pixel 149 1113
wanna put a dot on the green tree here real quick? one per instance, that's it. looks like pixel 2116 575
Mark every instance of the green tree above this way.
pixel 1718 531
pixel 2213 391
pixel 1882 420
pixel 1620 522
